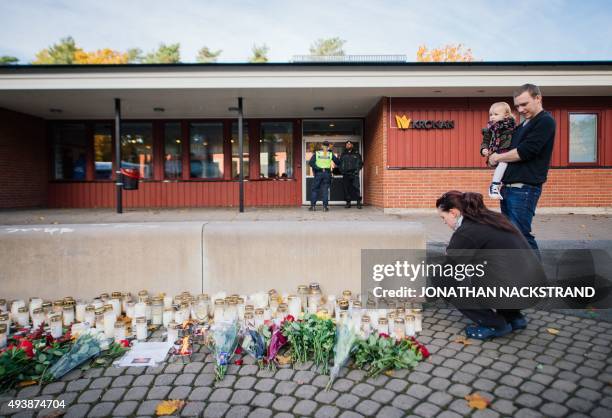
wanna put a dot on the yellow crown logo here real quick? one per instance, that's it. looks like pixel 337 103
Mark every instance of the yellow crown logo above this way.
pixel 403 122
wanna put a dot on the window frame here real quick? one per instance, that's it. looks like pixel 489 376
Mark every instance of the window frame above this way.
pixel 598 120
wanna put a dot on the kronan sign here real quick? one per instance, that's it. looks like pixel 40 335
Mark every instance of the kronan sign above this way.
pixel 406 123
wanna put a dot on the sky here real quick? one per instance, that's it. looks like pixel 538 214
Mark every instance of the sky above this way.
pixel 536 30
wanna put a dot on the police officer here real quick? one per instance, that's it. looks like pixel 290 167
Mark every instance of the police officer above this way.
pixel 350 165
pixel 321 165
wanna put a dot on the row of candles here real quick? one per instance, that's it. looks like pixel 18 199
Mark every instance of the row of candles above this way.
pixel 109 313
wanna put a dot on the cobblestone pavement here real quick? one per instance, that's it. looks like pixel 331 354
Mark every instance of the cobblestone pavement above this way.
pixel 530 373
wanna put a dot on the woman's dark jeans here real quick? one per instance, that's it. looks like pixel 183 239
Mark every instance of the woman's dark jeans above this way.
pixel 519 206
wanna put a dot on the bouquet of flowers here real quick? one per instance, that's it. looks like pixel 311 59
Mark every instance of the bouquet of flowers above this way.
pixel 299 339
pixel 322 334
pixel 346 336
pixel 254 344
pixel 377 354
pixel 276 341
pixel 85 347
pixel 225 341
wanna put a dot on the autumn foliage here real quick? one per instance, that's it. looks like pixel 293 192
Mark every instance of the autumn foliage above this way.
pixel 448 53
pixel 101 56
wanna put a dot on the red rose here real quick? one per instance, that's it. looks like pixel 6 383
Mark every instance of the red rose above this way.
pixel 383 335
pixel 238 350
pixel 289 318
pixel 238 362
pixel 424 351
pixel 124 343
pixel 27 347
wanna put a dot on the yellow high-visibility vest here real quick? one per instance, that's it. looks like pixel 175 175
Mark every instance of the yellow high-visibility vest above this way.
pixel 323 159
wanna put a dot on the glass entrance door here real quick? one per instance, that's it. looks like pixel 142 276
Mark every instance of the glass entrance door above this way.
pixel 336 132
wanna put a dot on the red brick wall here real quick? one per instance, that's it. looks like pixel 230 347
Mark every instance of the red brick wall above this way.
pixel 564 188
pixel 375 154
pixel 23 160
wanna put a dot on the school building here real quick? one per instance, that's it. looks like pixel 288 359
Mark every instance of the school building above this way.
pixel 417 125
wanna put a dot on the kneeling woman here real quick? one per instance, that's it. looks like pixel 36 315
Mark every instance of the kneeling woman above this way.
pixel 477 228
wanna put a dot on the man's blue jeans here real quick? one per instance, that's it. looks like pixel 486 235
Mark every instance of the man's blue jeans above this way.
pixel 519 206
pixel 322 181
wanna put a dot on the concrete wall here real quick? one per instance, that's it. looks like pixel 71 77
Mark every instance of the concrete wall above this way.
pixel 23 160
pixel 83 261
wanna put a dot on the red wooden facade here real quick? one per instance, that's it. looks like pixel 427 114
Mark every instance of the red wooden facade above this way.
pixel 459 147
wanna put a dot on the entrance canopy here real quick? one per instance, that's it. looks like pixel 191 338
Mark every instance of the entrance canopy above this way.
pixel 275 90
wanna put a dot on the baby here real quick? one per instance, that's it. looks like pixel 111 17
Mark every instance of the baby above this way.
pixel 497 137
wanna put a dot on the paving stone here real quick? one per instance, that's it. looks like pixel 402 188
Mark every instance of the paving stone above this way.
pixel 505 392
pixel 327 411
pixel 77 411
pixel 363 390
pixel 93 373
pixel 260 413
pixel 284 374
pixel 136 393
pixel 220 395
pixel 427 410
pixel 174 368
pixel 227 382
pixel 304 407
pixel 113 394
pixel 460 390
pixel 68 397
pixel 379 380
pixel 242 397
pixel 184 379
pixel 164 379
pixel 125 408
pixel 326 396
pixel 418 377
pixel 193 409
pixel 528 400
pixel 76 385
pixel 263 399
pixel 135 370
pixel 367 407
pixel 390 412
pixel 306 391
pixel 438 383
pixel 449 414
pixel 510 380
pixel 440 398
pixel 144 380
pixel 249 369
pixel 554 410
pixel 418 391
pixel 347 401
pixel 238 411
pixel 504 406
pixel 396 385
pixel 216 410
pixel 356 375
pixel 193 367
pixel 158 392
pixel 265 385
pixel 102 409
pixel 383 395
pixel 123 381
pixel 343 385
pixel 89 396
pixel 284 403
pixel 101 383
pixel 180 392
pixel 304 376
pixel 462 377
pixel 147 407
pixel 485 413
pixel 204 379
pixel 32 391
pixel 53 388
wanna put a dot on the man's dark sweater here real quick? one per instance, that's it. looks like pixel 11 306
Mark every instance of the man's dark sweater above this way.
pixel 534 143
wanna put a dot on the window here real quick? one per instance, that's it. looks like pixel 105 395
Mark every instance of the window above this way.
pixel 276 150
pixel 206 150
pixel 70 151
pixel 137 148
pixel 173 151
pixel 582 138
pixel 103 151
pixel 236 154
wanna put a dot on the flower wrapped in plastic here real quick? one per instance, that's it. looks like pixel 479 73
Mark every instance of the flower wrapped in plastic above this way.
pixel 254 344
pixel 225 341
pixel 275 343
pixel 85 347
pixel 346 337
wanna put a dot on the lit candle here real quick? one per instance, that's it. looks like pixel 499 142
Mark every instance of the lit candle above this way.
pixel 127 297
pixel 5 320
pixel 15 305
pixel 100 319
pixel 295 306
pixel 418 319
pixel 148 310
pixel 90 315
pixel 3 335
pixel 410 328
pixel 168 316
pixel 68 313
pixel 119 331
pixel 116 303
pixel 141 328
pixel 219 309
pixel 109 322
pixel 23 317
pixel 167 301
pixel 241 307
pixel 383 326
pixel 249 320
pixel 3 305
pixel 35 303
pixel 140 310
pixel 130 310
pixel 38 318
pixel 80 311
pixel 157 311
pixel 172 332
pixel 365 326
pixel 399 329
pixel 55 324
pixel 259 317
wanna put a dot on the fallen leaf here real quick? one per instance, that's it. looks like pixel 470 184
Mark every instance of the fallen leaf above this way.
pixel 475 400
pixel 462 340
pixel 389 373
pixel 552 331
pixel 168 407
pixel 26 383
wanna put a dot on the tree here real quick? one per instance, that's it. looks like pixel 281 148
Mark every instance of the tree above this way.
pixel 327 47
pixel 60 53
pixel 165 54
pixel 6 59
pixel 101 56
pixel 260 54
pixel 134 55
pixel 448 53
pixel 206 55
